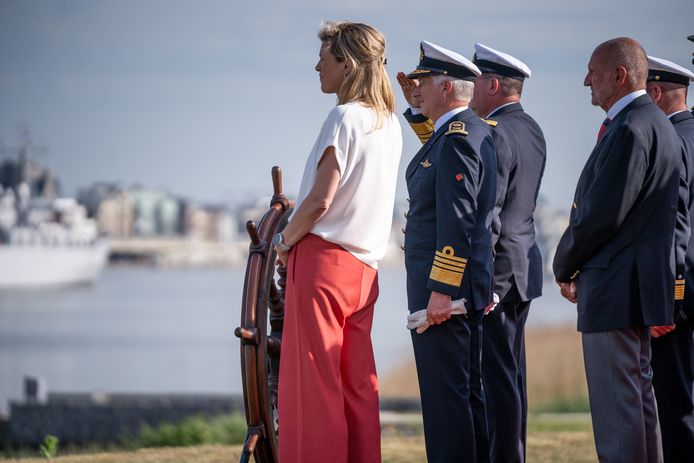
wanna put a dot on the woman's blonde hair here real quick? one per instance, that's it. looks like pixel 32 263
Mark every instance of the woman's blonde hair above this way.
pixel 364 47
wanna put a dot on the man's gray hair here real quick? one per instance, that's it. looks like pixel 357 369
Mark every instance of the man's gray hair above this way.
pixel 462 89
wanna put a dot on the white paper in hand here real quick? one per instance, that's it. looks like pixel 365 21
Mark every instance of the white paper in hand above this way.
pixel 418 320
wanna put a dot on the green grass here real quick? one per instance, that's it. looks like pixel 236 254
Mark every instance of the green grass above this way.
pixel 546 447
pixel 226 429
pixel 559 422
pixel 565 438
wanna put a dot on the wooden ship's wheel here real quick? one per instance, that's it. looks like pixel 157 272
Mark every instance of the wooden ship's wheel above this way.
pixel 263 302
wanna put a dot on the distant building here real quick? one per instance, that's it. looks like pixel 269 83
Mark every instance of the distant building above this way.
pixel 156 213
pixel 93 195
pixel 115 215
pixel 209 223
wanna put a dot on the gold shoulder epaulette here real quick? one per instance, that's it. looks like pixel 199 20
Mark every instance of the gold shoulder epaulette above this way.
pixel 457 127
pixel 490 122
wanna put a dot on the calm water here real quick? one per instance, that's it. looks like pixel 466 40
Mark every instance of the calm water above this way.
pixel 150 330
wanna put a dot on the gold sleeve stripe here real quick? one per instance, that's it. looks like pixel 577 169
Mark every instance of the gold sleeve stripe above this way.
pixel 446 276
pixel 575 274
pixel 424 130
pixel 451 263
pixel 423 127
pixel 451 257
pixel 424 139
pixel 679 290
pixel 449 267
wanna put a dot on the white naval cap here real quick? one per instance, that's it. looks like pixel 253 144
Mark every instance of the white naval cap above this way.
pixel 434 60
pixel 496 62
pixel 662 70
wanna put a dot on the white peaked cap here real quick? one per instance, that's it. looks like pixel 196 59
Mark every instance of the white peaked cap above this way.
pixel 497 62
pixel 662 70
pixel 435 60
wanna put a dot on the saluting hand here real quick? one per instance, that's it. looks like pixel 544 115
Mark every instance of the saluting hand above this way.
pixel 439 308
pixel 408 85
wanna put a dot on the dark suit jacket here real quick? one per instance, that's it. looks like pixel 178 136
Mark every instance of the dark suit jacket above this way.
pixel 684 126
pixel 451 183
pixel 521 154
pixel 621 228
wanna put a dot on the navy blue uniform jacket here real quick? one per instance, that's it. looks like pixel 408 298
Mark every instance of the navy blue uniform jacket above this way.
pixel 684 126
pixel 520 155
pixel 451 183
pixel 619 242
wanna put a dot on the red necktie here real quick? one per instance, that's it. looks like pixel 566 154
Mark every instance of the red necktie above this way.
pixel 603 127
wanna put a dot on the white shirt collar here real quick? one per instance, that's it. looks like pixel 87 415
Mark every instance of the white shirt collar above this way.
pixel 498 108
pixel 676 112
pixel 623 102
pixel 445 117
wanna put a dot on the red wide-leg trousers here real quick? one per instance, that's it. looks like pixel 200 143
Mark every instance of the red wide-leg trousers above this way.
pixel 328 390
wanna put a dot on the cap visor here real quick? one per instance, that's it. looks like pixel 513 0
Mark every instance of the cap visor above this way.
pixel 417 73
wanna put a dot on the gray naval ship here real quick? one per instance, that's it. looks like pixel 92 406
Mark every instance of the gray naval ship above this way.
pixel 45 239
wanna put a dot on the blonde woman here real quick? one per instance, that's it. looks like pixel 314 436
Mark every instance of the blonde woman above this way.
pixel 328 391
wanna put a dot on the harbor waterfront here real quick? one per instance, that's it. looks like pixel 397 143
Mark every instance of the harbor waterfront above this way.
pixel 149 330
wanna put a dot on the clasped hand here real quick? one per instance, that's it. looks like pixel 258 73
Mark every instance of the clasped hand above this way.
pixel 568 290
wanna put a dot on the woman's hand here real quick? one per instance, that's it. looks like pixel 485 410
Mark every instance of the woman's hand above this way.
pixel 282 257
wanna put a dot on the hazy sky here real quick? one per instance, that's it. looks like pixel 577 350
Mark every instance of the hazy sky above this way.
pixel 204 97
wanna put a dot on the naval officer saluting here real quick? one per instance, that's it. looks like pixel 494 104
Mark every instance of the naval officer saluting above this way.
pixel 448 254
pixel 673 353
pixel 520 153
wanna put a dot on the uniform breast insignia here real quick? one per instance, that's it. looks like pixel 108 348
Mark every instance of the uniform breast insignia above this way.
pixel 490 122
pixel 456 127
pixel 426 164
pixel 447 268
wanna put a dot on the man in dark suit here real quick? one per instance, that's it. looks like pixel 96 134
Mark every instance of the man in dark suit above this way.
pixel 448 254
pixel 616 256
pixel 521 153
pixel 673 352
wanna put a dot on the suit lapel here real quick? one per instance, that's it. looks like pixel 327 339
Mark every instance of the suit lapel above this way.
pixel 587 173
pixel 617 121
